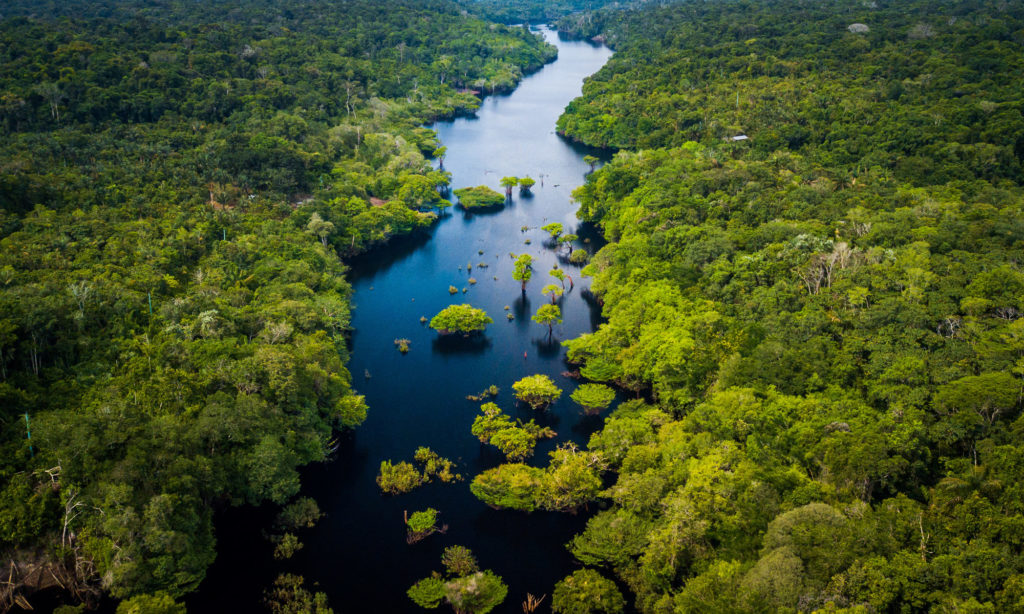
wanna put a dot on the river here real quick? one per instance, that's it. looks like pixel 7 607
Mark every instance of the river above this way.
pixel 357 554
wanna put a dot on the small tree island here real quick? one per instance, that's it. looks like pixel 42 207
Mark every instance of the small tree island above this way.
pixel 464 319
pixel 480 197
pixel 537 390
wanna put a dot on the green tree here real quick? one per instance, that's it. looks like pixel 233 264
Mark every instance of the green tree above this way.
pixel 513 486
pixel 157 603
pixel 320 228
pixel 561 276
pixel 289 596
pixel 526 184
pixel 463 319
pixel 459 561
pixel 422 524
pixel 548 314
pixel 508 183
pixel 593 397
pixel 554 229
pixel 553 291
pixel 466 590
pixel 586 592
pixel 537 390
pixel 523 269
pixel 398 478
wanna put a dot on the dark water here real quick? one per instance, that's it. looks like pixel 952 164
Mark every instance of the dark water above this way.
pixel 357 554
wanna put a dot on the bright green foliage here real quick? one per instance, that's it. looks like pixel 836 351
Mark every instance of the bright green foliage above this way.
pixel 523 269
pixel 319 227
pixel 560 275
pixel 548 314
pixel 538 391
pixel 579 256
pixel 462 318
pixel 508 183
pixel 515 443
pixel 466 589
pixel 515 486
pixel 289 596
pixel 586 592
pixel 554 229
pixel 491 421
pixel 427 593
pixel 399 478
pixel 526 183
pixel 571 481
pixel 421 525
pixel 422 521
pixel 402 477
pixel 480 197
pixel 591 161
pixel 435 466
pixel 516 440
pixel 157 603
pixel 593 397
pixel 553 291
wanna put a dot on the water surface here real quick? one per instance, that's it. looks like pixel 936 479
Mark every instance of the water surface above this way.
pixel 358 554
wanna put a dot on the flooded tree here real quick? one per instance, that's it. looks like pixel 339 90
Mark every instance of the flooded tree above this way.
pixel 548 314
pixel 523 269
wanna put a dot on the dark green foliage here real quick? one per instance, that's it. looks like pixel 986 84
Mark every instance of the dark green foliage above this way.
pixel 825 320
pixel 301 513
pixel 289 596
pixel 176 186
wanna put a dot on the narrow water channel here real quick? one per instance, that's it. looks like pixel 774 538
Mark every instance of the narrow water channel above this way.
pixel 358 554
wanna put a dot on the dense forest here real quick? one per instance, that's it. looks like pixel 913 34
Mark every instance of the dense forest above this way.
pixel 812 294
pixel 821 323
pixel 177 183
pixel 538 11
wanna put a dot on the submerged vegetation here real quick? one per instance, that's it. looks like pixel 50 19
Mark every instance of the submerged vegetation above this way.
pixel 515 439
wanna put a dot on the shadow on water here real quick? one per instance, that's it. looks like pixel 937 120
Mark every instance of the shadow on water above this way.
pixel 521 308
pixel 384 257
pixel 548 346
pixel 461 344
